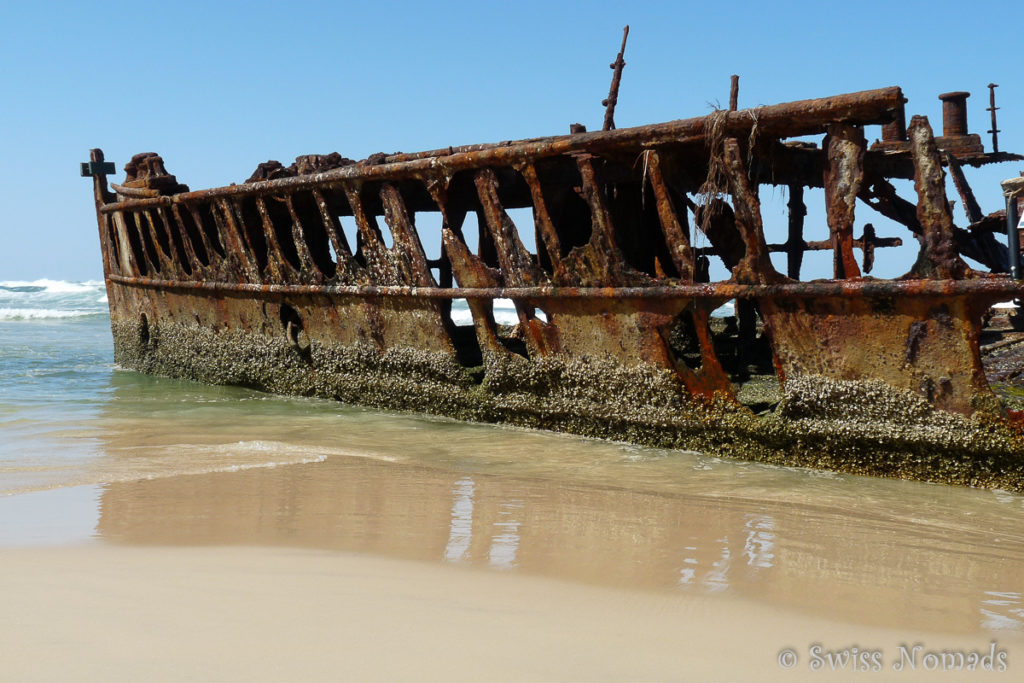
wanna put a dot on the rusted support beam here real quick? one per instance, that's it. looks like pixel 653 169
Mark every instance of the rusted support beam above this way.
pixel 135 245
pixel 132 245
pixel 791 119
pixel 795 242
pixel 471 272
pixel 938 258
pixel 734 92
pixel 378 266
pixel 204 238
pixel 342 248
pixel 108 247
pixel 407 246
pixel 869 242
pixel 437 185
pixel 309 269
pixel 996 288
pixel 452 220
pixel 278 266
pixel 993 253
pixel 597 262
pixel 172 217
pixel 146 240
pixel 165 259
pixel 149 241
pixel 712 378
pixel 671 222
pixel 236 222
pixel 347 267
pixel 128 264
pixel 516 263
pixel 545 226
pixel 176 241
pixel 804 117
pixel 971 207
pixel 880 195
pixel 755 267
pixel 233 239
pixel 844 173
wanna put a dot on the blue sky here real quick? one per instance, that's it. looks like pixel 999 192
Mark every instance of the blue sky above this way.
pixel 217 88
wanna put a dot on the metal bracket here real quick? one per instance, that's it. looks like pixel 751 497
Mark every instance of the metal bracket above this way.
pixel 95 168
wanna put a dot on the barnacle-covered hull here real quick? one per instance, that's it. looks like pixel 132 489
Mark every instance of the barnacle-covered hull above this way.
pixel 314 281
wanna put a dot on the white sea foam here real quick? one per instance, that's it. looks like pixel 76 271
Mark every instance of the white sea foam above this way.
pixel 504 312
pixel 54 286
pixel 46 299
pixel 40 313
pixel 725 310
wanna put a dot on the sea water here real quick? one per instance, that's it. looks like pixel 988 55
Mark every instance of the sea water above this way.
pixel 92 453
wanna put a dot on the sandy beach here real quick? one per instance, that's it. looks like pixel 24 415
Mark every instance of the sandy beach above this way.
pixel 101 612
pixel 357 568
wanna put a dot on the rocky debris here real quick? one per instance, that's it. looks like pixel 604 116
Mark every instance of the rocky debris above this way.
pixel 147 171
pixel 306 164
pixel 270 170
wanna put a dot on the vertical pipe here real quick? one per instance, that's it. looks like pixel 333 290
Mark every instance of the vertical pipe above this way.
pixel 954 113
pixel 1013 235
pixel 897 130
pixel 1012 190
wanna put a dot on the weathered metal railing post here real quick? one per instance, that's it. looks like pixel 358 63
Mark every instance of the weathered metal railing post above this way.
pixel 613 91
pixel 1012 189
pixel 992 108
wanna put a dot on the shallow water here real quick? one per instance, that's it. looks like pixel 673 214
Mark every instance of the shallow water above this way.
pixel 91 453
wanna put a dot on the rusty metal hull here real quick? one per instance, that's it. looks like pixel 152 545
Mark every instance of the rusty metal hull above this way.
pixel 312 280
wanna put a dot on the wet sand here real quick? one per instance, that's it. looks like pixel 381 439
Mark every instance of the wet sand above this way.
pixel 128 614
pixel 193 533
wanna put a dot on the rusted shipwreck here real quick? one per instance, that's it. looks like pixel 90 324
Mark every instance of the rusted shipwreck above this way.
pixel 257 284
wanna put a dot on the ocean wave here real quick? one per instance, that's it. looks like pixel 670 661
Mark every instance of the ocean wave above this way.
pixel 44 299
pixel 48 286
pixel 725 310
pixel 42 313
pixel 47 299
pixel 504 312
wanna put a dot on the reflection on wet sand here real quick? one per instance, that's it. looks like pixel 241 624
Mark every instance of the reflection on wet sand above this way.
pixel 890 567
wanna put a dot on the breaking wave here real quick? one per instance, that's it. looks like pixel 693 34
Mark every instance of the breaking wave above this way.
pixel 51 299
